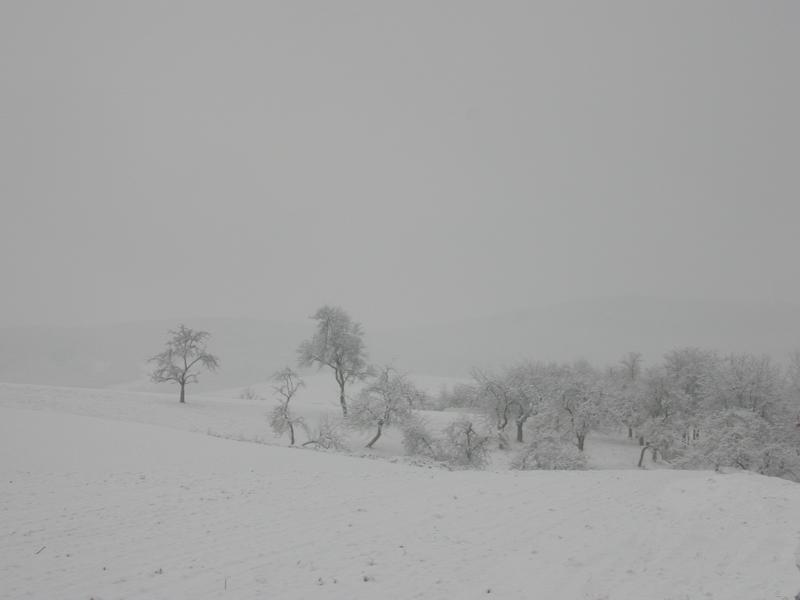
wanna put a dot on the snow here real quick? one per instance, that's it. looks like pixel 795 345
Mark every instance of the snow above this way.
pixel 111 495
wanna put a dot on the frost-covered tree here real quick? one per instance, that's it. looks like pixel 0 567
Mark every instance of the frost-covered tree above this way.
pixel 688 367
pixel 631 365
pixel 496 400
pixel 793 389
pixel 581 401
pixel 286 383
pixel 626 391
pixel 625 404
pixel 741 438
pixel 662 429
pixel 690 373
pixel 745 381
pixel 183 358
pixel 703 410
pixel 510 396
pixel 338 343
pixel 530 387
pixel 793 374
pixel 386 400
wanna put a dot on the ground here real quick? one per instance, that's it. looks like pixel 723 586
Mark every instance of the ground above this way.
pixel 111 495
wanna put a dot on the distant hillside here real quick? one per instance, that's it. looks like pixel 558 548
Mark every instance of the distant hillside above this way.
pixel 116 355
pixel 250 350
pixel 600 331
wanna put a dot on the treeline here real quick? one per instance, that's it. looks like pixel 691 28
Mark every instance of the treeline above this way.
pixel 696 409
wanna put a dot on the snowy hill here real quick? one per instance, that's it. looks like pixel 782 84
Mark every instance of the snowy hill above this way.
pixel 116 355
pixel 102 508
pixel 600 331
pixel 251 350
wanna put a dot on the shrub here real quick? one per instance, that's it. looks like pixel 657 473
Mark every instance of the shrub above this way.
pixel 464 446
pixel 249 393
pixel 327 435
pixel 418 440
pixel 549 453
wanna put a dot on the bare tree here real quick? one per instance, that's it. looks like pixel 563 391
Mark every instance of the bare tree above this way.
pixel 282 419
pixel 338 344
pixel 183 358
pixel 632 365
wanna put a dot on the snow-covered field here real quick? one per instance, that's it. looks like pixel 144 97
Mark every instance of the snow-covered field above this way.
pixel 112 495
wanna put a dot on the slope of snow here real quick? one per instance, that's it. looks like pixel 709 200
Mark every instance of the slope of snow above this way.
pixel 99 508
pixel 246 420
pixel 220 415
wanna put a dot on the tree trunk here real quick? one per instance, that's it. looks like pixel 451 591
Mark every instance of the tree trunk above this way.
pixel 630 432
pixel 519 431
pixel 641 455
pixel 468 449
pixel 183 392
pixel 502 440
pixel 581 440
pixel 377 435
pixel 641 440
pixel 342 401
pixel 291 434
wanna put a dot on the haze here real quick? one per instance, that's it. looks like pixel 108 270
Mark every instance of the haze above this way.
pixel 413 162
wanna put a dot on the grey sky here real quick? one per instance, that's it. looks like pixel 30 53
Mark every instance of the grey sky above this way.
pixel 411 161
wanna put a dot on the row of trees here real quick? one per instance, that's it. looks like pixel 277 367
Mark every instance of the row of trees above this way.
pixel 695 409
pixel 338 343
pixel 387 398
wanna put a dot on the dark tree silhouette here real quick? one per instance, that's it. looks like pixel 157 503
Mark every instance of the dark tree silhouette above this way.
pixel 183 358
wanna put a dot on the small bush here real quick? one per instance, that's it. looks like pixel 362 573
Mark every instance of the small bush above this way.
pixel 549 453
pixel 328 435
pixel 418 440
pixel 778 460
pixel 249 393
pixel 464 446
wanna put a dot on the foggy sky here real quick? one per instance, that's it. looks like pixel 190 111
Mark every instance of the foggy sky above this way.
pixel 410 161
